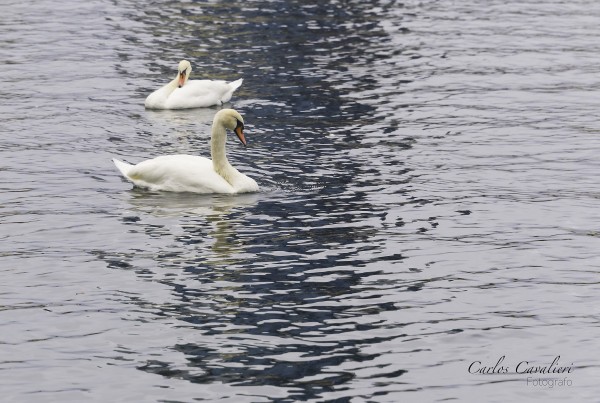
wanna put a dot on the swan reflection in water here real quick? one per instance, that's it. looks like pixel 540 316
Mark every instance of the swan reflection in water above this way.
pixel 182 129
pixel 202 220
pixel 189 118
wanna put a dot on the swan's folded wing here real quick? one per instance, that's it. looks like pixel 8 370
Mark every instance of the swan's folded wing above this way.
pixel 200 94
pixel 179 173
pixel 158 98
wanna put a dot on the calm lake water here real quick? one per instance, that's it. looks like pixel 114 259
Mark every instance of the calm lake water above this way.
pixel 429 198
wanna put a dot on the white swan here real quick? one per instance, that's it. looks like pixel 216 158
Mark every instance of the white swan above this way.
pixel 190 173
pixel 183 94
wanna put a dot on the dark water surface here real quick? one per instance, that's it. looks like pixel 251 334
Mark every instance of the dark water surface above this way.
pixel 430 190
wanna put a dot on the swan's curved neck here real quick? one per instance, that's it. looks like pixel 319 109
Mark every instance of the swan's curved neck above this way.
pixel 173 84
pixel 217 150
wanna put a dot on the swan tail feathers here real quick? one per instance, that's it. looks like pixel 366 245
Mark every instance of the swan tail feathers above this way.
pixel 123 167
pixel 234 85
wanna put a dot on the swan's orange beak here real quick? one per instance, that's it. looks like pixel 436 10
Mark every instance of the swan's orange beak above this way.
pixel 181 78
pixel 239 130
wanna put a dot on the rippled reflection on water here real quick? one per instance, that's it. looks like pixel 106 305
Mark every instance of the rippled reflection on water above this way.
pixel 428 199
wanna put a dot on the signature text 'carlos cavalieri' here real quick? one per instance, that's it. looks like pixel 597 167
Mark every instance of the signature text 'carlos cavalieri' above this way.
pixel 523 367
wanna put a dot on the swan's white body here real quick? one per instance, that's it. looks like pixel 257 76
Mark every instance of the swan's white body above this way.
pixel 182 93
pixel 190 173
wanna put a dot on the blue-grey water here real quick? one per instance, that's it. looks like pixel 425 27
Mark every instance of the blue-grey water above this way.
pixel 430 184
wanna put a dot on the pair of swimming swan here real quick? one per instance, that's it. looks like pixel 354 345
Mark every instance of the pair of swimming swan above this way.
pixel 190 173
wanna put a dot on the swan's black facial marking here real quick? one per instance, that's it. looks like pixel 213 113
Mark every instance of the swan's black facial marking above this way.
pixel 239 130
pixel 182 75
